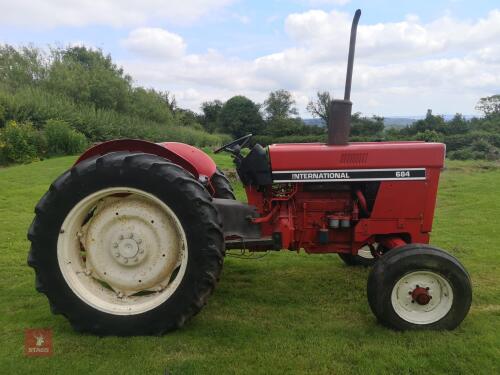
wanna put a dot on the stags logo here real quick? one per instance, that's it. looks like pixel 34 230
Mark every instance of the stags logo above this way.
pixel 38 342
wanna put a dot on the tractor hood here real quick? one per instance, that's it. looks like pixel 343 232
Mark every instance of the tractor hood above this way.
pixel 359 155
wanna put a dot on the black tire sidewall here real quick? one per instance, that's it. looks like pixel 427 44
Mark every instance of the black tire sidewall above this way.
pixel 86 179
pixel 401 261
pixel 221 185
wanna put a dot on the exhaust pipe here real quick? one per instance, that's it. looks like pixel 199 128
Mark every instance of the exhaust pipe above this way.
pixel 339 116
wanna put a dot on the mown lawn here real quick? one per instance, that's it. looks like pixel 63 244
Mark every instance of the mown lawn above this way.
pixel 284 313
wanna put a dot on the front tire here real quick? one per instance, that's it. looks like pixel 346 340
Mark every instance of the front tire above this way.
pixel 419 287
pixel 126 244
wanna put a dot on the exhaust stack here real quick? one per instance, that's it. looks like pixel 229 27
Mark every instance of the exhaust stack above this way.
pixel 339 119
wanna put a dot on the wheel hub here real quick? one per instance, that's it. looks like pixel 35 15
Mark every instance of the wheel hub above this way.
pixel 131 245
pixel 421 295
pixel 128 251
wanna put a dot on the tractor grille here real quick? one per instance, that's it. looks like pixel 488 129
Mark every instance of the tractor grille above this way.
pixel 354 158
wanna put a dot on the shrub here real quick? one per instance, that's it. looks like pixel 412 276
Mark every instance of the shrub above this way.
pixel 21 143
pixel 96 124
pixel 429 136
pixel 463 154
pixel 2 115
pixel 62 139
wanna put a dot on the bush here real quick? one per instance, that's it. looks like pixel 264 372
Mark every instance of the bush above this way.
pixel 2 115
pixel 429 136
pixel 21 143
pixel 62 139
pixel 98 125
pixel 463 154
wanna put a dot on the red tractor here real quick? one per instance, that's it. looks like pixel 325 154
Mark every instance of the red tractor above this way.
pixel 131 239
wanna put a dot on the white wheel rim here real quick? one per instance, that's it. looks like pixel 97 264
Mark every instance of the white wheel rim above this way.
pixel 129 257
pixel 438 289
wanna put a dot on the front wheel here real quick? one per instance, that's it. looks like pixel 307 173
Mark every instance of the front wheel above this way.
pixel 126 244
pixel 419 287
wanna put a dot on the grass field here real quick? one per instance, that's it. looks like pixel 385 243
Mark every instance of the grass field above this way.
pixel 284 313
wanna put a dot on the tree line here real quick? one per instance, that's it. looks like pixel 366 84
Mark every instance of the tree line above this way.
pixel 276 120
pixel 63 100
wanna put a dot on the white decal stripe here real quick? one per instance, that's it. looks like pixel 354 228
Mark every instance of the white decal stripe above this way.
pixel 351 170
pixel 357 179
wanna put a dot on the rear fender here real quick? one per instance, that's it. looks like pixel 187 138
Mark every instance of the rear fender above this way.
pixel 192 159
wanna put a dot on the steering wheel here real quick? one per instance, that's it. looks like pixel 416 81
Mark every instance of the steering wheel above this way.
pixel 240 142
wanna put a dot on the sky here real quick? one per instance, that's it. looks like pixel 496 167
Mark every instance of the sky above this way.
pixel 410 55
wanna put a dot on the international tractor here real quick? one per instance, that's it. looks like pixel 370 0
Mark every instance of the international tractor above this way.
pixel 131 239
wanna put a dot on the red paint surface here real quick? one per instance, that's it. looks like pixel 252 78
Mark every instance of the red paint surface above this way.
pixel 190 158
pixel 318 156
pixel 402 212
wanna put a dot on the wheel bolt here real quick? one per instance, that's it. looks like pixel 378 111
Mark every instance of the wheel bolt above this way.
pixel 121 237
pixel 87 272
pixel 125 260
pixel 131 235
pixel 141 251
pixel 115 245
pixel 139 241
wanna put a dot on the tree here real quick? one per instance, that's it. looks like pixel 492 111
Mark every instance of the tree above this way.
pixel 240 116
pixel 489 105
pixel 186 117
pixel 366 127
pixel 88 76
pixel 320 107
pixel 431 122
pixel 22 66
pixel 280 105
pixel 170 100
pixel 457 125
pixel 150 104
pixel 211 111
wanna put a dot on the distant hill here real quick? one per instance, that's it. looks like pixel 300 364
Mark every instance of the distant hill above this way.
pixel 313 121
pixel 390 121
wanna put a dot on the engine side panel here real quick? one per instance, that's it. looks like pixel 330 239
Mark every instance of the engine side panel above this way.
pixel 378 190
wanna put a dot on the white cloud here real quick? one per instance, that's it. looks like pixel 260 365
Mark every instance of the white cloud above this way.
pixel 117 13
pixel 401 67
pixel 155 42
pixel 245 20
pixel 326 2
pixel 319 30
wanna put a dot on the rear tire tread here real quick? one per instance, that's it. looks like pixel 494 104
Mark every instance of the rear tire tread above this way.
pixel 210 224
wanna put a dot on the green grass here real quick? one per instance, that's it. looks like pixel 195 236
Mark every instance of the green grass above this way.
pixel 284 313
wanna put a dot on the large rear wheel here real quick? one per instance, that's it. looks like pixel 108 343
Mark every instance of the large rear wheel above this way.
pixel 126 244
